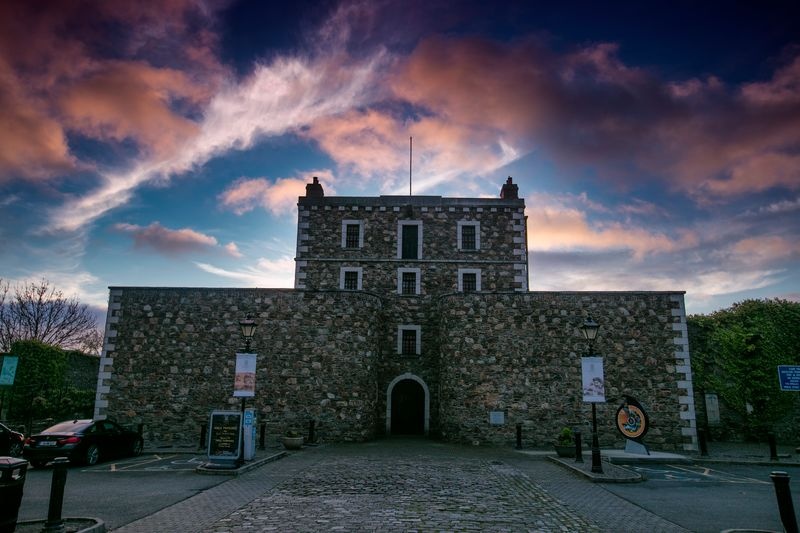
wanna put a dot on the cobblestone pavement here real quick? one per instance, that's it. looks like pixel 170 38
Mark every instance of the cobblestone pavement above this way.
pixel 417 485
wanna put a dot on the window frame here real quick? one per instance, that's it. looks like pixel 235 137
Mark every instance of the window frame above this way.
pixel 460 225
pixel 400 224
pixel 344 270
pixel 400 272
pixel 418 340
pixel 462 271
pixel 353 222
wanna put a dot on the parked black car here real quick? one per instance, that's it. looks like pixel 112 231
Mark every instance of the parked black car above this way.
pixel 82 441
pixel 10 441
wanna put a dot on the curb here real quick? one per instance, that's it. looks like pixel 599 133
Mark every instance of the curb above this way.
pixel 98 527
pixel 623 475
pixel 246 467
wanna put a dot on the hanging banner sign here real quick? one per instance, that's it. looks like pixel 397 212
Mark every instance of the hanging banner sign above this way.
pixel 8 370
pixel 244 383
pixel 632 419
pixel 594 388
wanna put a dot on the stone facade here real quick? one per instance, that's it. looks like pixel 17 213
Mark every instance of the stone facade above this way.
pixel 410 315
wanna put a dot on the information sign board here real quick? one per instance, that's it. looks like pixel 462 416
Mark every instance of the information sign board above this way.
pixel 789 377
pixel 224 430
pixel 8 370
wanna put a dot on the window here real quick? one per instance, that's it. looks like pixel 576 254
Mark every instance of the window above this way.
pixel 350 278
pixel 409 340
pixel 409 239
pixel 469 235
pixel 352 233
pixel 408 281
pixel 469 279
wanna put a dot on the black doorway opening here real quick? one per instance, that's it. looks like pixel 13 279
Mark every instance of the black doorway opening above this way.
pixel 408 408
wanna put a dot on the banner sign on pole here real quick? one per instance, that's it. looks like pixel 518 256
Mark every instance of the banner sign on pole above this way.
pixel 244 383
pixel 9 369
pixel 789 377
pixel 594 388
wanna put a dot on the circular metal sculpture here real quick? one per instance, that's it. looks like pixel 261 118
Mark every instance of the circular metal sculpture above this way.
pixel 632 419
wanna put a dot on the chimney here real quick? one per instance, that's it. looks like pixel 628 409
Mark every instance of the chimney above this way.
pixel 314 189
pixel 510 191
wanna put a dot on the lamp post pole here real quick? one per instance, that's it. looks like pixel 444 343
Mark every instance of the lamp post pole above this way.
pixel 248 327
pixel 589 331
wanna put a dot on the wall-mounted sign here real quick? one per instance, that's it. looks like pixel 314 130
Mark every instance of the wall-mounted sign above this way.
pixel 224 428
pixel 632 420
pixel 8 370
pixel 497 418
pixel 594 387
pixel 789 377
pixel 244 383
pixel 712 409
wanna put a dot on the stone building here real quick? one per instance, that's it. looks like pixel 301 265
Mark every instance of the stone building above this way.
pixel 410 315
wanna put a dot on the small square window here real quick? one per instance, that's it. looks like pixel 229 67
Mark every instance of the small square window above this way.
pixel 351 280
pixel 469 235
pixel 352 234
pixel 409 340
pixel 469 282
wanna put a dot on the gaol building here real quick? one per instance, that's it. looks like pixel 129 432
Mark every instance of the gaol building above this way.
pixel 409 315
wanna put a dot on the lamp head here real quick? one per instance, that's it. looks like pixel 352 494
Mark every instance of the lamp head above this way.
pixel 589 329
pixel 248 326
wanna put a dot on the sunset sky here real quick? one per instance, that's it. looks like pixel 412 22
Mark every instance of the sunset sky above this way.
pixel 165 143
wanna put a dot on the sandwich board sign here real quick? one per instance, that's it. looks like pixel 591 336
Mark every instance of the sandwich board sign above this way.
pixel 224 432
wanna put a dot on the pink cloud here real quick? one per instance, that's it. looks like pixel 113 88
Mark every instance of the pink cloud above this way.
pixel 173 242
pixel 278 197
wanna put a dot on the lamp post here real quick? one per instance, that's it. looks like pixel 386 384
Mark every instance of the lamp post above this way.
pixel 589 330
pixel 248 327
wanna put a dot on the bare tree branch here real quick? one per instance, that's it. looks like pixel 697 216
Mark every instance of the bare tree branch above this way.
pixel 39 311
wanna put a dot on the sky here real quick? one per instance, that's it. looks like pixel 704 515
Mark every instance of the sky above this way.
pixel 165 143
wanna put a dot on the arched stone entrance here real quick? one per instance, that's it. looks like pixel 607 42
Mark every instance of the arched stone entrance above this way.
pixel 407 406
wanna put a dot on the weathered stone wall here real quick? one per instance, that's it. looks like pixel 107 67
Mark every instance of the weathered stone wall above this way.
pixel 170 356
pixel 521 354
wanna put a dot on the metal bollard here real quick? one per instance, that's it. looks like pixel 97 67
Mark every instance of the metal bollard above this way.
pixel 701 440
pixel 203 435
pixel 785 506
pixel 578 447
pixel 311 436
pixel 773 449
pixel 54 521
pixel 519 436
pixel 262 436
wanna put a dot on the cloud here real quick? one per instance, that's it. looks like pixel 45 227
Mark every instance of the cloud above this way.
pixel 279 198
pixel 173 242
pixel 276 273
pixel 554 225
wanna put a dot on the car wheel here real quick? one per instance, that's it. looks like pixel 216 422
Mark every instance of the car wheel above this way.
pixel 92 455
pixel 136 447
pixel 15 450
pixel 38 464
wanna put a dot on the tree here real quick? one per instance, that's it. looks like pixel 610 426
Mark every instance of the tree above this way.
pixel 735 353
pixel 39 311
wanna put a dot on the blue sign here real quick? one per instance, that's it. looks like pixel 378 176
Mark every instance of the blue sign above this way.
pixel 9 370
pixel 789 376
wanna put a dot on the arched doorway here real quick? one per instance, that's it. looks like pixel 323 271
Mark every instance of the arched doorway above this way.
pixel 407 406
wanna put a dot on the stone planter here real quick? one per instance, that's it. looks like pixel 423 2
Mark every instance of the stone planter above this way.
pixel 292 443
pixel 565 451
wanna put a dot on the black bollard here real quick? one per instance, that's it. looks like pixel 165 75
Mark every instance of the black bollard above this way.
pixel 140 429
pixel 203 435
pixel 773 449
pixel 785 506
pixel 54 521
pixel 262 436
pixel 311 436
pixel 519 436
pixel 701 440
pixel 578 447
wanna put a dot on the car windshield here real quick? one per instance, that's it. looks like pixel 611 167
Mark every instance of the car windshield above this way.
pixel 71 426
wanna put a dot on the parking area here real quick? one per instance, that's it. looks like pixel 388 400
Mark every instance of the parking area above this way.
pixel 157 462
pixel 691 474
